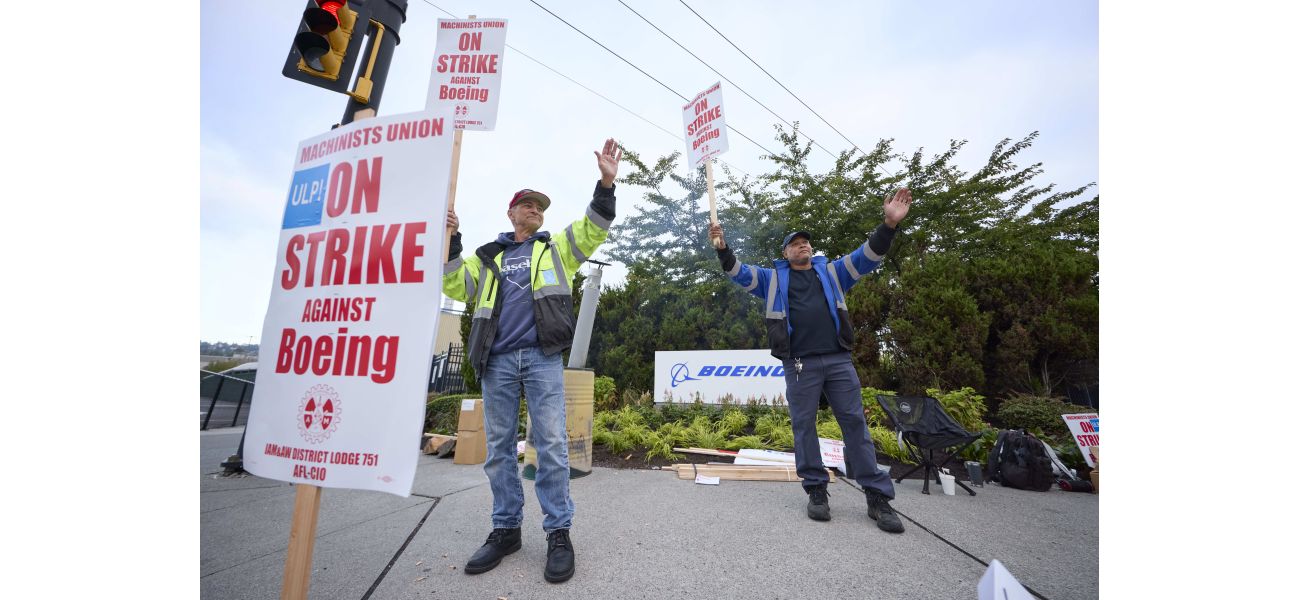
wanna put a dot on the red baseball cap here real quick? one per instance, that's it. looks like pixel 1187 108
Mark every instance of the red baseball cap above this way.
pixel 526 193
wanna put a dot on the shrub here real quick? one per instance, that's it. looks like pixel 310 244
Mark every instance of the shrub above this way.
pixel 675 434
pixel 886 441
pixel 605 395
pixel 827 426
pixel 747 441
pixel 1038 413
pixel 733 421
pixel 965 406
pixel 875 414
pixel 442 413
pixel 770 422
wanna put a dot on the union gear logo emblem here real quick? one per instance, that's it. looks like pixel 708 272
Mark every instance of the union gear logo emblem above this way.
pixel 318 413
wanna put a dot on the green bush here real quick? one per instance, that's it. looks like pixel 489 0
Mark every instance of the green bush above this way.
pixel 875 414
pixel 886 441
pixel 605 394
pixel 1038 413
pixel 733 422
pixel 964 405
pixel 442 413
pixel 827 426
pixel 747 441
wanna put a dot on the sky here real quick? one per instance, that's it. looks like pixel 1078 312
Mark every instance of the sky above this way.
pixel 909 71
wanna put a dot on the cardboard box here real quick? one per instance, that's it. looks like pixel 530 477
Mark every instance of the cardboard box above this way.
pixel 471 440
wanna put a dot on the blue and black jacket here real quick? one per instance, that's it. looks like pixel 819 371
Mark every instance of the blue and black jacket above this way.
pixel 837 276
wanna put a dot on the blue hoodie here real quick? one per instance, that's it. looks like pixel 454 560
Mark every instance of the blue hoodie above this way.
pixel 517 327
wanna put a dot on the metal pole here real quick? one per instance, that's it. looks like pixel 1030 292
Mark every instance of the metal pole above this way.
pixel 391 13
pixel 586 318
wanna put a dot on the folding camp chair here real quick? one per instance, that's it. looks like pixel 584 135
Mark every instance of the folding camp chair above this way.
pixel 922 424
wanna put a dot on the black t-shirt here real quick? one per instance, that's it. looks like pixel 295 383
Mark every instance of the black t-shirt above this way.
pixel 810 317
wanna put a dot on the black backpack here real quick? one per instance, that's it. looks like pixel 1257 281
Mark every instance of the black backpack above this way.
pixel 1018 460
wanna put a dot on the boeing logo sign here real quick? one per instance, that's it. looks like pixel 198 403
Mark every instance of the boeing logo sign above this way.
pixel 710 375
pixel 681 372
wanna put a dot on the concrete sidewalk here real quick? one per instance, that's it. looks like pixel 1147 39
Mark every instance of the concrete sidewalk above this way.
pixel 642 534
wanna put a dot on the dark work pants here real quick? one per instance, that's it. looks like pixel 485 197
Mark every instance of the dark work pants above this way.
pixel 835 375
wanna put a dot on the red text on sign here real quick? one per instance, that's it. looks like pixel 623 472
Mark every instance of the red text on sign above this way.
pixel 341 355
pixel 343 256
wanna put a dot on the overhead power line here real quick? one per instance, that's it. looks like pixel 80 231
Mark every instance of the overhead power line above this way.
pixel 719 74
pixel 629 111
pixel 760 67
pixel 684 99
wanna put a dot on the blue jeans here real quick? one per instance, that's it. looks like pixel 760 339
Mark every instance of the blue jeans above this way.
pixel 833 374
pixel 542 379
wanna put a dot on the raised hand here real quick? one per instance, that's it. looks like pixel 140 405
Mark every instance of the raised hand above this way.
pixel 715 234
pixel 896 207
pixel 453 224
pixel 607 161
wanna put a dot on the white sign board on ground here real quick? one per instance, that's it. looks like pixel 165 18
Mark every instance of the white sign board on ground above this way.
pixel 1086 433
pixel 708 375
pixel 998 584
pixel 832 452
pixel 706 128
pixel 349 332
pixel 466 73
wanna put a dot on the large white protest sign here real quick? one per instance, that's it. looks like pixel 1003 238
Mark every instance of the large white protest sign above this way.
pixel 466 73
pixel 349 332
pixel 706 129
pixel 1087 433
pixel 709 375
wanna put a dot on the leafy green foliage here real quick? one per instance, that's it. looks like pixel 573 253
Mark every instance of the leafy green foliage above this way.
pixel 442 413
pixel 1038 413
pixel 827 426
pixel 964 406
pixel 886 441
pixel 604 394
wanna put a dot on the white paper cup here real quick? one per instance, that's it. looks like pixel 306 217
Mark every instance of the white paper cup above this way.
pixel 949 484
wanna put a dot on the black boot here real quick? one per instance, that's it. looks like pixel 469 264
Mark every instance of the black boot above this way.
pixel 819 504
pixel 559 556
pixel 878 508
pixel 499 543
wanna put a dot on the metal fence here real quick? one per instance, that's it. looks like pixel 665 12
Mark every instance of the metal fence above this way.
pixel 224 398
pixel 445 375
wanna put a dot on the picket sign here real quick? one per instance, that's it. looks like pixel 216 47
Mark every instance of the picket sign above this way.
pixel 706 137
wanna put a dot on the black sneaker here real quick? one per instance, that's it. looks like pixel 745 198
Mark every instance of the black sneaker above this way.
pixel 500 543
pixel 819 505
pixel 559 556
pixel 878 508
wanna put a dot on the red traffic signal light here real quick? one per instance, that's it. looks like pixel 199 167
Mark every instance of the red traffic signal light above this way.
pixel 324 46
pixel 328 43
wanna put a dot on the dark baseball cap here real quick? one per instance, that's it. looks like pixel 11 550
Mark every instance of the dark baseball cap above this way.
pixel 533 194
pixel 794 234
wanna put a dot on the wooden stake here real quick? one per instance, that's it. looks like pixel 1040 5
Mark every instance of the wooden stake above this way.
pixel 713 204
pixel 451 186
pixel 302 538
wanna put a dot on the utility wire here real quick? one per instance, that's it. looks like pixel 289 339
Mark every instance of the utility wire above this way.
pixel 684 99
pixel 733 84
pixel 598 94
pixel 760 67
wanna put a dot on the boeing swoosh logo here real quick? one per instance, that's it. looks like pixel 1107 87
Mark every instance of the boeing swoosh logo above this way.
pixel 681 374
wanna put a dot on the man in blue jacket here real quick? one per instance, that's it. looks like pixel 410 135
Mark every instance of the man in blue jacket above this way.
pixel 808 328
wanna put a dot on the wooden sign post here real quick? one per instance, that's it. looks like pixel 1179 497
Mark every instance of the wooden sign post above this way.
pixel 713 203
pixel 302 540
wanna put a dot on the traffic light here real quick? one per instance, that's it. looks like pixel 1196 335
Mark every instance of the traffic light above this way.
pixel 327 44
